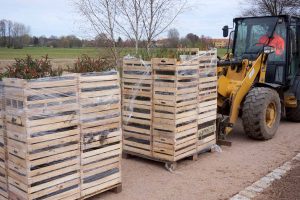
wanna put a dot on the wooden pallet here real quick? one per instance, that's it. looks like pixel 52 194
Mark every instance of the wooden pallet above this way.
pixel 170 165
pixel 43 138
pixel 137 89
pixel 115 188
pixel 100 122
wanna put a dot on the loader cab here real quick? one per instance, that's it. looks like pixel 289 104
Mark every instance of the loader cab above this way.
pixel 252 34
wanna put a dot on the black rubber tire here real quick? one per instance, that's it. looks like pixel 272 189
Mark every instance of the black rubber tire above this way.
pixel 254 113
pixel 293 114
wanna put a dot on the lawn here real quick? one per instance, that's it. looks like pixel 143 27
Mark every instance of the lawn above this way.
pixel 62 53
pixel 222 52
pixel 37 52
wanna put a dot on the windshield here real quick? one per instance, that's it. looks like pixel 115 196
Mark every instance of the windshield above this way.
pixel 254 33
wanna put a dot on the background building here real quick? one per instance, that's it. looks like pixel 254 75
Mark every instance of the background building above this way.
pixel 220 43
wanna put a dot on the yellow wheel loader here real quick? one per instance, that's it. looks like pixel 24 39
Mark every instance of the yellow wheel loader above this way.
pixel 259 80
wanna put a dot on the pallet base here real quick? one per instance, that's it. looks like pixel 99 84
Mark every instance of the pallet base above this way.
pixel 169 164
pixel 128 154
pixel 116 189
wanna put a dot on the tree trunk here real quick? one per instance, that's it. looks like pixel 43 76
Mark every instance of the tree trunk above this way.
pixel 148 47
pixel 136 46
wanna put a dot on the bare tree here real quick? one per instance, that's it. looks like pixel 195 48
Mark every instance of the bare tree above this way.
pixel 173 37
pixel 158 15
pixel 130 21
pixel 135 19
pixel 3 33
pixel 9 33
pixel 12 34
pixel 101 15
pixel 271 7
pixel 100 40
pixel 19 32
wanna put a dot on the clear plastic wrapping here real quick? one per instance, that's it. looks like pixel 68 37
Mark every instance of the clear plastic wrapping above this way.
pixel 101 134
pixel 167 100
pixel 53 123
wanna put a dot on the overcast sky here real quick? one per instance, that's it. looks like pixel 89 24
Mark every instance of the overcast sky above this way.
pixel 58 17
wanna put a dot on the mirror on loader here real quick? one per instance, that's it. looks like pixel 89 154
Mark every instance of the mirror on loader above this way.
pixel 269 49
pixel 225 31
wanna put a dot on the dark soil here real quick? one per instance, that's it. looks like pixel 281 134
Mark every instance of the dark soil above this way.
pixel 288 188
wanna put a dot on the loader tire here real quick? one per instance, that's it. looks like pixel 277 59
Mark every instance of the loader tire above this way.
pixel 293 114
pixel 261 113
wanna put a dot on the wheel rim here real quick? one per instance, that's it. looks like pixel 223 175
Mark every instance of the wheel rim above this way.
pixel 271 114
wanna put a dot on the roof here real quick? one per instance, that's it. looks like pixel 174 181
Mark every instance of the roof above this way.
pixel 285 16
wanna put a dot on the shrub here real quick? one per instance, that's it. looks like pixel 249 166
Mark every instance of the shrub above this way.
pixel 156 53
pixel 87 64
pixel 29 68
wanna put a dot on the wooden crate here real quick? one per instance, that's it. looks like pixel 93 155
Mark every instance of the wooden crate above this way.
pixel 3 156
pixel 43 138
pixel 207 99
pixel 137 106
pixel 175 109
pixel 182 100
pixel 101 137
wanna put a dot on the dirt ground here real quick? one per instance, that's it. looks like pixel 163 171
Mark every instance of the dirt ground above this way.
pixel 214 175
pixel 288 188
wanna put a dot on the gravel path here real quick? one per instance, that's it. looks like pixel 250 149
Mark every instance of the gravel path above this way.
pixel 214 175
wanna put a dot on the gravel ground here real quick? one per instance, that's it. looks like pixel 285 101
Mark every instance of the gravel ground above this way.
pixel 214 175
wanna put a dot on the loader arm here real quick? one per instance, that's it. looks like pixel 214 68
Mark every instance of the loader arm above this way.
pixel 258 68
pixel 238 92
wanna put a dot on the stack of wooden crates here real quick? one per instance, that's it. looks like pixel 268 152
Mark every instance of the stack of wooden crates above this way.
pixel 3 157
pixel 101 138
pixel 137 106
pixel 170 107
pixel 175 109
pixel 63 136
pixel 43 138
pixel 207 99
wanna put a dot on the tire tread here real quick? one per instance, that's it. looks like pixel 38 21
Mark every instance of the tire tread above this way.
pixel 252 116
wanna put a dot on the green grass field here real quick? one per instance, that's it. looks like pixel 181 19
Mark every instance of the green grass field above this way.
pixel 62 53
pixel 222 52
pixel 37 52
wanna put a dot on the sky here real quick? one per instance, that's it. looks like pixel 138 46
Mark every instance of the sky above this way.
pixel 59 17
